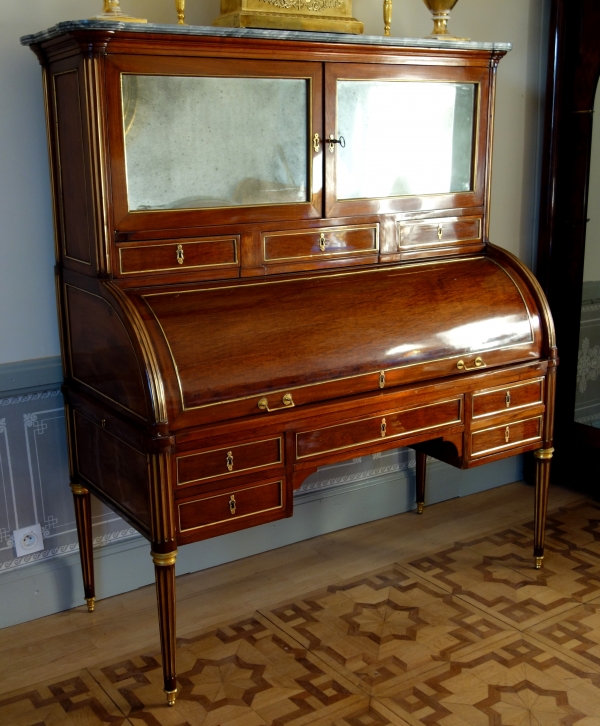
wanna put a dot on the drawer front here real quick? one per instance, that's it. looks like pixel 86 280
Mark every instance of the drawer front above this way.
pixel 229 461
pixel 486 403
pixel 439 232
pixel 321 243
pixel 176 255
pixel 506 436
pixel 229 510
pixel 373 429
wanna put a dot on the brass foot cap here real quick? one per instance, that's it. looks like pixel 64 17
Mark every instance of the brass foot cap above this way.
pixel 171 696
pixel 539 561
pixel 91 603
pixel 420 506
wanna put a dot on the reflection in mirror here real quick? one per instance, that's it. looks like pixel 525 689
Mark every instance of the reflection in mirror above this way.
pixel 587 395
pixel 404 138
pixel 186 149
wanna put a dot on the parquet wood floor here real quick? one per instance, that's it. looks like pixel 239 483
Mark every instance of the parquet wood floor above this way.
pixel 463 632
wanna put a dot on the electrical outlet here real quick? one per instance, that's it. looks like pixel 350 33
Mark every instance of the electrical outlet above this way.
pixel 28 540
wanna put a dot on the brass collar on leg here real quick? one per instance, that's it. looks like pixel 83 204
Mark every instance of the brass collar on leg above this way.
pixel 78 490
pixel 91 603
pixel 539 561
pixel 164 560
pixel 171 696
pixel 544 453
pixel 420 506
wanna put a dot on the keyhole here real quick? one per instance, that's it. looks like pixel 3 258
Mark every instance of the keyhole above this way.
pixel 232 504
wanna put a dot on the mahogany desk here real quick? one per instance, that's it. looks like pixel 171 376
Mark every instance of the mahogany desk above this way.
pixel 272 254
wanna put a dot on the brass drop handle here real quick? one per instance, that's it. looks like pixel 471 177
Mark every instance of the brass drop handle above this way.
pixel 232 504
pixel 332 141
pixel 317 143
pixel 383 428
pixel 507 434
pixel 462 366
pixel 322 242
pixel 179 255
pixel 507 399
pixel 229 460
pixel 287 400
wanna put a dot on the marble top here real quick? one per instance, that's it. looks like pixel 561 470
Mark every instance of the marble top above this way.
pixel 72 25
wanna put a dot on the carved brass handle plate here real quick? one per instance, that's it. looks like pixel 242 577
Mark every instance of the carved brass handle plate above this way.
pixel 232 504
pixel 383 428
pixel 507 399
pixel 462 366
pixel 332 141
pixel 322 242
pixel 287 400
pixel 179 255
pixel 316 143
pixel 229 460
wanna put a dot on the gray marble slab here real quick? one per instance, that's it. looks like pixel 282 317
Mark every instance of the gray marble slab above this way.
pixel 300 35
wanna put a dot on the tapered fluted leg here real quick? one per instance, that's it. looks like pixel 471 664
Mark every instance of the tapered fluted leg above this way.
pixel 543 458
pixel 164 570
pixel 83 519
pixel 421 470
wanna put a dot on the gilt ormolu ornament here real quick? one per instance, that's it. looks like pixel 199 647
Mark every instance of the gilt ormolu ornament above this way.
pixel 112 11
pixel 440 9
pixel 334 16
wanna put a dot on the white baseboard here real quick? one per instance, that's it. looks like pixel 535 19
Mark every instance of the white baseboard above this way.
pixel 52 586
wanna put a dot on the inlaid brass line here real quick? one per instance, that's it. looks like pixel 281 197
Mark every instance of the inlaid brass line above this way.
pixel 512 386
pixel 235 262
pixel 518 442
pixel 322 231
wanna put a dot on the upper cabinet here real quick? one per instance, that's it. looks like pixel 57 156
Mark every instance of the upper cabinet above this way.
pixel 206 141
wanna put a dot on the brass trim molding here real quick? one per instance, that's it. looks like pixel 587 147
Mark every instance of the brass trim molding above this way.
pixel 164 559
pixel 496 389
pixel 510 444
pixel 544 454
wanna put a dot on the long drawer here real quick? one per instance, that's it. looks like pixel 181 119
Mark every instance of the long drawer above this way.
pixel 506 436
pixel 228 510
pixel 229 460
pixel 392 425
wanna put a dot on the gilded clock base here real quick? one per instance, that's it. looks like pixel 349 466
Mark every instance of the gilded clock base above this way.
pixel 279 21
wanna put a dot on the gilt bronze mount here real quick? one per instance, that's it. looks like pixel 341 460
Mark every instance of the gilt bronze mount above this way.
pixel 333 16
pixel 440 9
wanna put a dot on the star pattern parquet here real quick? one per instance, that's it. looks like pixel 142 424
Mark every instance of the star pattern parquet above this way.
pixel 468 635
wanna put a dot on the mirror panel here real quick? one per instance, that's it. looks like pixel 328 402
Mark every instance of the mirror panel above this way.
pixel 587 394
pixel 404 138
pixel 185 149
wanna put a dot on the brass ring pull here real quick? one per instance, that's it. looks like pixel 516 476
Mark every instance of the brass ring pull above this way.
pixel 179 255
pixel 462 366
pixel 232 504
pixel 332 141
pixel 322 242
pixel 287 400
pixel 316 143
pixel 229 460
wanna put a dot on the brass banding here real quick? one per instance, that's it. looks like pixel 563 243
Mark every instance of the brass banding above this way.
pixel 78 490
pixel 164 559
pixel 544 453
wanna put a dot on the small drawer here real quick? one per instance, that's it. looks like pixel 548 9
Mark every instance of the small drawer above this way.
pixel 176 255
pixel 438 232
pixel 370 430
pixel 505 436
pixel 309 244
pixel 229 461
pixel 509 398
pixel 230 510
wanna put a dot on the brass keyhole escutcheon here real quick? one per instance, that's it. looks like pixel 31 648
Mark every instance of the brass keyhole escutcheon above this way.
pixel 179 255
pixel 232 504
pixel 322 242
pixel 440 232
pixel 229 461
pixel 507 434
pixel 508 399
pixel 316 143
pixel 383 428
pixel 382 379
